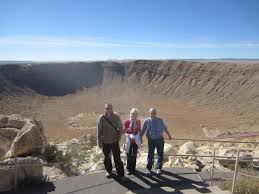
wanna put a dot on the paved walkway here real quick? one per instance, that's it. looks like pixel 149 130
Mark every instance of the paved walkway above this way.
pixel 173 180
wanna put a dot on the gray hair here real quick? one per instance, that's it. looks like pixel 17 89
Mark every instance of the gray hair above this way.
pixel 152 110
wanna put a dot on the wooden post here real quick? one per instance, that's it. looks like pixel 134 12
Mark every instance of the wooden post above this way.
pixel 235 173
pixel 212 167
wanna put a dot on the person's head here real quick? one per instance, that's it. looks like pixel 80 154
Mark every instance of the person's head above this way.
pixel 108 108
pixel 134 113
pixel 152 112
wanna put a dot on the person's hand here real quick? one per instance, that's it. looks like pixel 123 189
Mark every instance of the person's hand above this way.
pixel 100 145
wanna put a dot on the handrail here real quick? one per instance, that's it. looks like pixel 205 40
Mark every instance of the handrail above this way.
pixel 213 140
pixel 215 157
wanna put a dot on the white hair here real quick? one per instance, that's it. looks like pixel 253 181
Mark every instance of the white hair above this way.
pixel 133 111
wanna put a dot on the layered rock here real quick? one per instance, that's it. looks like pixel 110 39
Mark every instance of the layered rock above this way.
pixel 20 136
pixel 29 171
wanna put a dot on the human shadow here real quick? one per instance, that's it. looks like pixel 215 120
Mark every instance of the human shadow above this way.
pixel 176 184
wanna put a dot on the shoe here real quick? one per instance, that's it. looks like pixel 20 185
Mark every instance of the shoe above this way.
pixel 129 173
pixel 108 175
pixel 123 179
pixel 158 171
pixel 148 172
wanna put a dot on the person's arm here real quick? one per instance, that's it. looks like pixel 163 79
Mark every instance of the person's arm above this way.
pixel 126 126
pixel 138 126
pixel 139 130
pixel 168 133
pixel 99 133
pixel 144 128
pixel 121 132
pixel 166 130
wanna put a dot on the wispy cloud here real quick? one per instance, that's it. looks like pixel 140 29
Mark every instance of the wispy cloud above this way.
pixel 32 41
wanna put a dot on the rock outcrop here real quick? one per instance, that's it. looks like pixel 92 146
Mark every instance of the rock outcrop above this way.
pixel 29 171
pixel 20 136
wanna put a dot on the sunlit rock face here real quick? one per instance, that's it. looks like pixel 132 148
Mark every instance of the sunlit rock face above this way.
pixel 20 136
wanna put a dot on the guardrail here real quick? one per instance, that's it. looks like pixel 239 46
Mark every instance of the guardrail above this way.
pixel 237 159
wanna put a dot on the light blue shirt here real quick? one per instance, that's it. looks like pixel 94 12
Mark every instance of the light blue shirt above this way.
pixel 154 128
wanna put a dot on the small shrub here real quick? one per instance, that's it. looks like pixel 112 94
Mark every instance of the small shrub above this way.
pixel 53 155
pixel 50 152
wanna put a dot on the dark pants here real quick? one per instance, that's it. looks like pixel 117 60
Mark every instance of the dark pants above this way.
pixel 132 157
pixel 115 148
pixel 157 144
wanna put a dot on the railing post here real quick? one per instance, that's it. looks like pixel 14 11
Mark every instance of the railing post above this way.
pixel 212 167
pixel 235 173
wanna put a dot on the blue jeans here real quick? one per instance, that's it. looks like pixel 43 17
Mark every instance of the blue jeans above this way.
pixel 157 144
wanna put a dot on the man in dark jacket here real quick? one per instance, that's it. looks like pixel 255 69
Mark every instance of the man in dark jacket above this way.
pixel 109 132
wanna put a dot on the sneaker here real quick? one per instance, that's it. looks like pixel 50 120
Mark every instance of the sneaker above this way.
pixel 108 175
pixel 129 173
pixel 123 179
pixel 158 171
pixel 148 172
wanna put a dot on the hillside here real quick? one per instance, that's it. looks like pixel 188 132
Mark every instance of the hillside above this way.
pixel 54 91
pixel 227 85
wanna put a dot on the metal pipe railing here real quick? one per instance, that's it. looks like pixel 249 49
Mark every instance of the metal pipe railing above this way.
pixel 237 159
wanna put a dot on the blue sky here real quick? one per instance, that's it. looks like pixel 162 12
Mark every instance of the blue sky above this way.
pixel 128 29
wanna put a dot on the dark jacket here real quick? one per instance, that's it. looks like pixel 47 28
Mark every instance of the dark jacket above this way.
pixel 106 133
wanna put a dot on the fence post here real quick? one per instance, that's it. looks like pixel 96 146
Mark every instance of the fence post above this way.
pixel 212 167
pixel 235 173
pixel 15 167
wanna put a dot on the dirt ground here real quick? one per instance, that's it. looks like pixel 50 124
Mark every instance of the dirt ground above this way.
pixel 183 119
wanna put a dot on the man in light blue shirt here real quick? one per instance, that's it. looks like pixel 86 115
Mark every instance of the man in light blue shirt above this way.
pixel 154 128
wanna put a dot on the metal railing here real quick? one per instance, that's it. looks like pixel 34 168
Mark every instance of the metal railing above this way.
pixel 214 157
pixel 236 159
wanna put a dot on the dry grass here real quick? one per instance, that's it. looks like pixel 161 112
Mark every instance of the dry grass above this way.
pixel 183 119
pixel 244 185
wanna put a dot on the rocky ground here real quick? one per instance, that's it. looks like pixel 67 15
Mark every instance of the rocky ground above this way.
pixel 89 158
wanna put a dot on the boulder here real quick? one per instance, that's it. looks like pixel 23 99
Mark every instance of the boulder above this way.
pixel 256 161
pixel 142 160
pixel 169 163
pixel 188 148
pixel 206 150
pixel 7 182
pixel 232 152
pixel 16 121
pixel 21 136
pixel 29 171
pixel 168 148
pixel 5 145
pixel 9 133
pixel 3 120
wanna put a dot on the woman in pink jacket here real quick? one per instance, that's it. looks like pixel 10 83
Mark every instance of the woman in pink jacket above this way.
pixel 132 129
